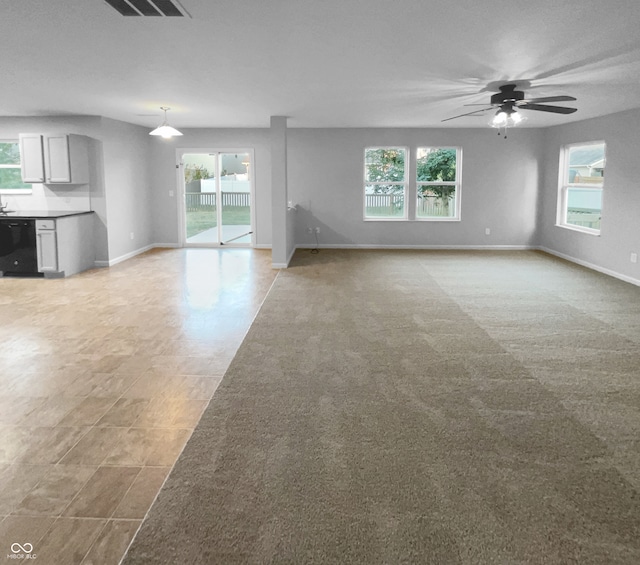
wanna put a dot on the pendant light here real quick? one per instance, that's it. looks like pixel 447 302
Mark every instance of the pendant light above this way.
pixel 165 130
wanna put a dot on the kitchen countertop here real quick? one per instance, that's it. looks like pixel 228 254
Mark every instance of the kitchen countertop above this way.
pixel 36 214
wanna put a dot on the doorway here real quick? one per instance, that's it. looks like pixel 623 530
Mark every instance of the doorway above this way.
pixel 217 195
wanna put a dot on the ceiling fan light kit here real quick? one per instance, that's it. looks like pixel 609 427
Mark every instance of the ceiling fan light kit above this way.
pixel 165 130
pixel 506 118
pixel 509 101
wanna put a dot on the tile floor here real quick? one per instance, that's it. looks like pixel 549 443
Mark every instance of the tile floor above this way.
pixel 103 377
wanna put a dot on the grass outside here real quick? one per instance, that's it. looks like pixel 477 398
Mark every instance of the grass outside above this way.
pixel 205 219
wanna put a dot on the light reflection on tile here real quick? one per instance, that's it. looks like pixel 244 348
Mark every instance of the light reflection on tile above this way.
pixel 104 376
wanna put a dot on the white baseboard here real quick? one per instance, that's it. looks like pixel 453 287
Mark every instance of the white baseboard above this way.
pixel 591 266
pixel 580 262
pixel 291 254
pixel 426 247
pixel 166 245
pixel 286 263
pixel 112 262
pixel 122 258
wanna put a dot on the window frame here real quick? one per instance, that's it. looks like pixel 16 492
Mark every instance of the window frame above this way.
pixel 457 184
pixel 411 185
pixel 404 184
pixel 564 187
pixel 15 190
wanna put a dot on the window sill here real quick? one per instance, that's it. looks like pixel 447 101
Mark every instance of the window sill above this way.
pixel 413 220
pixel 588 231
pixel 386 219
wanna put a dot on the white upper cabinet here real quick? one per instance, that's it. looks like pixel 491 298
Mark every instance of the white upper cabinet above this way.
pixel 56 158
pixel 53 159
pixel 31 157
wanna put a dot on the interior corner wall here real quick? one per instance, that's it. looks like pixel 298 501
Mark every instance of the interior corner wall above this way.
pixel 126 174
pixel 164 180
pixel 500 180
pixel 620 231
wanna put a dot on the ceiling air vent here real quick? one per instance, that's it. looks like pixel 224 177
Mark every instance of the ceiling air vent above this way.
pixel 148 8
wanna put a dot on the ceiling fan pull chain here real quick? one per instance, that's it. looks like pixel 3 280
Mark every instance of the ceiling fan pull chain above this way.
pixel 505 131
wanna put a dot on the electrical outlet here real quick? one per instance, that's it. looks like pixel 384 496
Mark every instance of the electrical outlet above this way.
pixel 634 257
pixel 171 193
pixel 131 235
pixel 317 230
pixel 487 231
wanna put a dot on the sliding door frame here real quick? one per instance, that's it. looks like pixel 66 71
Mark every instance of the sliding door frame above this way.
pixel 181 190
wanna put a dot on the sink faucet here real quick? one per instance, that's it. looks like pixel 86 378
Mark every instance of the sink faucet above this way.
pixel 3 207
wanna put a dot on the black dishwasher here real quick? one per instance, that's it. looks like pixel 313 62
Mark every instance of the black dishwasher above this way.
pixel 18 251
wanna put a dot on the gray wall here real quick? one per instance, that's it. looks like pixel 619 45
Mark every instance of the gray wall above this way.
pixel 508 185
pixel 126 175
pixel 620 226
pixel 499 187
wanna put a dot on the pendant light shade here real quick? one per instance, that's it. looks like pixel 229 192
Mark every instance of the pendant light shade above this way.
pixel 165 130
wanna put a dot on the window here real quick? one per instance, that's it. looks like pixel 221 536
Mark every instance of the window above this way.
pixel 385 183
pixel 394 190
pixel 10 173
pixel 437 183
pixel 580 187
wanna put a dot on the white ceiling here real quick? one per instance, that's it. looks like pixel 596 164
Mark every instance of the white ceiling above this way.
pixel 322 63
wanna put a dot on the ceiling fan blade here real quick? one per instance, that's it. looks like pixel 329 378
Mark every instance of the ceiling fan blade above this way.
pixel 478 104
pixel 469 114
pixel 550 99
pixel 543 108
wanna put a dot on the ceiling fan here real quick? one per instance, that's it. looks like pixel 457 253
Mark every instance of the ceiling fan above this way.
pixel 509 100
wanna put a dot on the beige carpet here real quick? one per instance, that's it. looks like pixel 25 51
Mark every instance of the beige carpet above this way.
pixel 418 407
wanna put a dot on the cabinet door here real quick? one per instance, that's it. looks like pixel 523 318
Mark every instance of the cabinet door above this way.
pixel 47 251
pixel 56 156
pixel 31 159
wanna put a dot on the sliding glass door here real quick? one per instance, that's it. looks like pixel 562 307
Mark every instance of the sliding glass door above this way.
pixel 217 197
